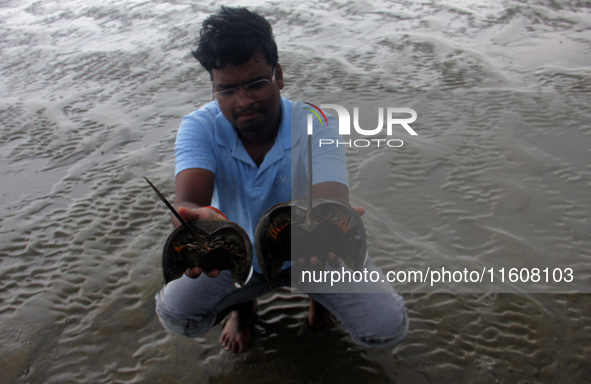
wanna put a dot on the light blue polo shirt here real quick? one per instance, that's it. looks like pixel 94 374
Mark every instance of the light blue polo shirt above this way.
pixel 243 191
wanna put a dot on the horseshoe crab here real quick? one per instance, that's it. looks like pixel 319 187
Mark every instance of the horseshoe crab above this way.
pixel 208 244
pixel 309 227
pixel 330 226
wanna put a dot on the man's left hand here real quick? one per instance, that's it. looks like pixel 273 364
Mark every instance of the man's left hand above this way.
pixel 332 259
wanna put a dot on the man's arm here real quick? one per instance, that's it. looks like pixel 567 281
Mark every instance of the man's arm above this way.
pixel 332 190
pixel 194 190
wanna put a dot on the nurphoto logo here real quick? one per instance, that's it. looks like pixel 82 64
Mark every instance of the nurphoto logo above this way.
pixel 392 116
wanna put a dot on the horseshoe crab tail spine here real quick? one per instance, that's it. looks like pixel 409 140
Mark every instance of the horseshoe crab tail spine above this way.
pixel 174 212
pixel 309 211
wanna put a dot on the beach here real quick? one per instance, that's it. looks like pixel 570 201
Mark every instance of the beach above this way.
pixel 498 176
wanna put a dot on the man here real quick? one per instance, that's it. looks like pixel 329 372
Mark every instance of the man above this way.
pixel 237 153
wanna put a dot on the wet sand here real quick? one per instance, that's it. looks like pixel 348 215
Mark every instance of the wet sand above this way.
pixel 91 97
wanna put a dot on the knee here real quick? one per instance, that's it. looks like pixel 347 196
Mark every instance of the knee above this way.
pixel 183 324
pixel 385 330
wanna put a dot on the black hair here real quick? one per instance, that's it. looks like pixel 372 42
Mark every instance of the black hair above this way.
pixel 233 36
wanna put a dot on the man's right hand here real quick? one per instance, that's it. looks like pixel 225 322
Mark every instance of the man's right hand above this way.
pixel 333 260
pixel 202 213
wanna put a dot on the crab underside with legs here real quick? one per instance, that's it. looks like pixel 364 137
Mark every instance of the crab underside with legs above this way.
pixel 221 245
pixel 288 233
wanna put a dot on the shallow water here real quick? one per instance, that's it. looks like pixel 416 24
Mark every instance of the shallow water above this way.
pixel 91 96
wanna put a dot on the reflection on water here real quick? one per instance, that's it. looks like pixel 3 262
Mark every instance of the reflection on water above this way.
pixel 92 93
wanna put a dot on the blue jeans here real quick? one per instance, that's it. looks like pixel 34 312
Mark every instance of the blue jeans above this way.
pixel 191 307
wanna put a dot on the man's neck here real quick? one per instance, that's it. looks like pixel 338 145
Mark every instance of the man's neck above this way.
pixel 257 144
pixel 259 138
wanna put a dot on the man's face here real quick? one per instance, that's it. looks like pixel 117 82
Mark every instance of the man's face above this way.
pixel 250 116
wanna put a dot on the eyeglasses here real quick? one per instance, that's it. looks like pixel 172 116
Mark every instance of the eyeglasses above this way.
pixel 257 90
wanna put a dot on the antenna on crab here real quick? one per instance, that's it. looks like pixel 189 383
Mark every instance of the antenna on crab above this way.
pixel 174 211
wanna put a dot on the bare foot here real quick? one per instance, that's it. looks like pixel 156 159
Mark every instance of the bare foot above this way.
pixel 236 333
pixel 319 317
